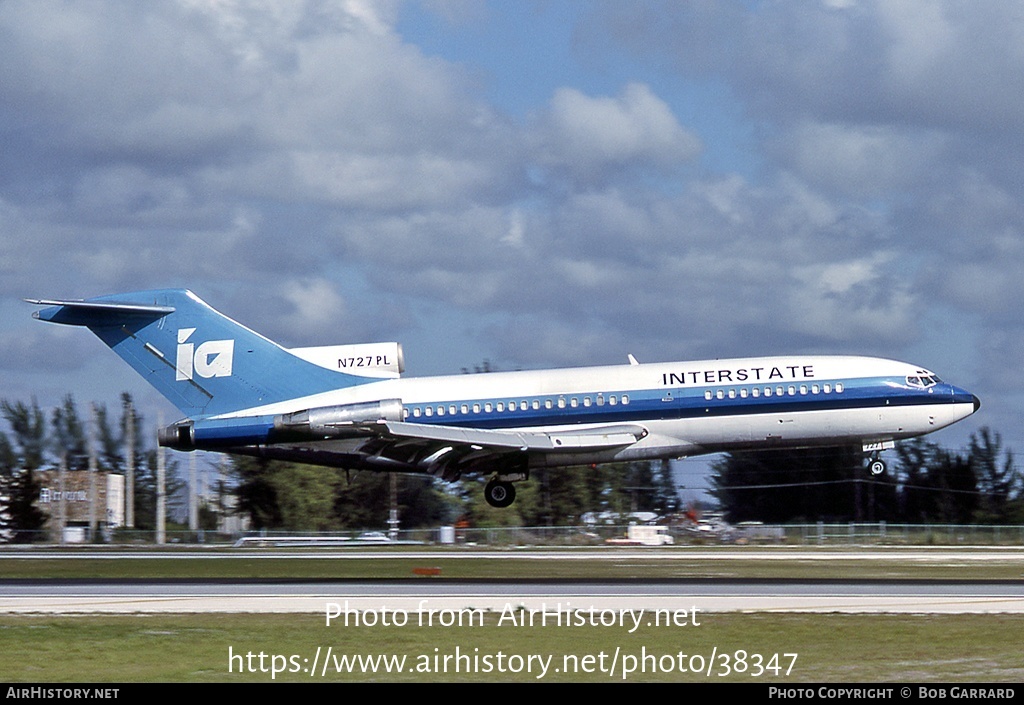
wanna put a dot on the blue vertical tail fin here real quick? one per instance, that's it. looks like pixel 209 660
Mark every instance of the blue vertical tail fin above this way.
pixel 205 363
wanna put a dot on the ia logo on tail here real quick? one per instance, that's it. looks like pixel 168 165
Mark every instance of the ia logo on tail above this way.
pixel 213 358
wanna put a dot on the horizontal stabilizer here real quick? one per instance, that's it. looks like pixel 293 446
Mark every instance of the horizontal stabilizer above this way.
pixel 93 313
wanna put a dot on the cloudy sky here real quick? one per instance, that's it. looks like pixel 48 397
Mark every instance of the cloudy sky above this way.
pixel 529 183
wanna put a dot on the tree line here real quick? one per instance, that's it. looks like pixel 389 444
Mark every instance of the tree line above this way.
pixel 925 484
pixel 281 495
pixel 37 441
pixel 294 496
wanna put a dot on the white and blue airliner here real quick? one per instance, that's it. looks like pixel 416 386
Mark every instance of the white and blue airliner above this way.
pixel 347 406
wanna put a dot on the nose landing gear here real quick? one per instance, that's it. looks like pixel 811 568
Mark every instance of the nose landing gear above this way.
pixel 876 466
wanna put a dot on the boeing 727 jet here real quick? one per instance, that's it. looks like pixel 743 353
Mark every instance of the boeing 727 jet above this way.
pixel 347 406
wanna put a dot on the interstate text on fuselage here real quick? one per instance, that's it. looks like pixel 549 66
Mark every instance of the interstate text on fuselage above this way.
pixel 742 374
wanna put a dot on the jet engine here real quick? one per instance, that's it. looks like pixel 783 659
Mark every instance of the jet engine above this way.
pixel 344 421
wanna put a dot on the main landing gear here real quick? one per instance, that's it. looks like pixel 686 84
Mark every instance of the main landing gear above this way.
pixel 499 494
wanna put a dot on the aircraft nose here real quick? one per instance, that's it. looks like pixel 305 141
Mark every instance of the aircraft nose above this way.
pixel 962 396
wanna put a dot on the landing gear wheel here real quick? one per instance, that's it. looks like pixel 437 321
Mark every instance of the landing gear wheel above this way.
pixel 876 467
pixel 499 494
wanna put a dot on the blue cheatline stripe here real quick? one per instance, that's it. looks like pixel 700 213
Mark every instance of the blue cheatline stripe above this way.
pixel 249 430
pixel 643 406
pixel 688 404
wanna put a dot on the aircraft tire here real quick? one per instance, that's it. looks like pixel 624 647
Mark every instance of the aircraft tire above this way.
pixel 500 494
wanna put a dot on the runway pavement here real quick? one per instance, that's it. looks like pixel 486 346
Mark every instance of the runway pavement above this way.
pixel 722 595
pixel 747 596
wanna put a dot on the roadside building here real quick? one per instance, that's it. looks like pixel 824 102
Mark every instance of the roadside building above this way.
pixel 74 501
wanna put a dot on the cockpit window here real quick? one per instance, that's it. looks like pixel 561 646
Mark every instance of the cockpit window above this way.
pixel 923 381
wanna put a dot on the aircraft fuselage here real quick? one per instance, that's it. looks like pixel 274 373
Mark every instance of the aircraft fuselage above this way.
pixel 687 408
pixel 348 406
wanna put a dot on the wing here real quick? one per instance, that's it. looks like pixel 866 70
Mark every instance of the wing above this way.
pixel 447 451
pixel 592 438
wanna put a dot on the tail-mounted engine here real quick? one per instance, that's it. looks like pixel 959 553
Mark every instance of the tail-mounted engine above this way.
pixel 344 421
pixel 177 436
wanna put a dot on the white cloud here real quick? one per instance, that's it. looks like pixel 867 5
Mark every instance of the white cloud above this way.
pixel 588 136
pixel 315 303
pixel 268 155
pixel 860 160
pixel 921 36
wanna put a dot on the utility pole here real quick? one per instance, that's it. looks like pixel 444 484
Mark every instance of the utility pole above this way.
pixel 62 474
pixel 161 499
pixel 91 440
pixel 129 471
pixel 193 495
pixel 393 513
